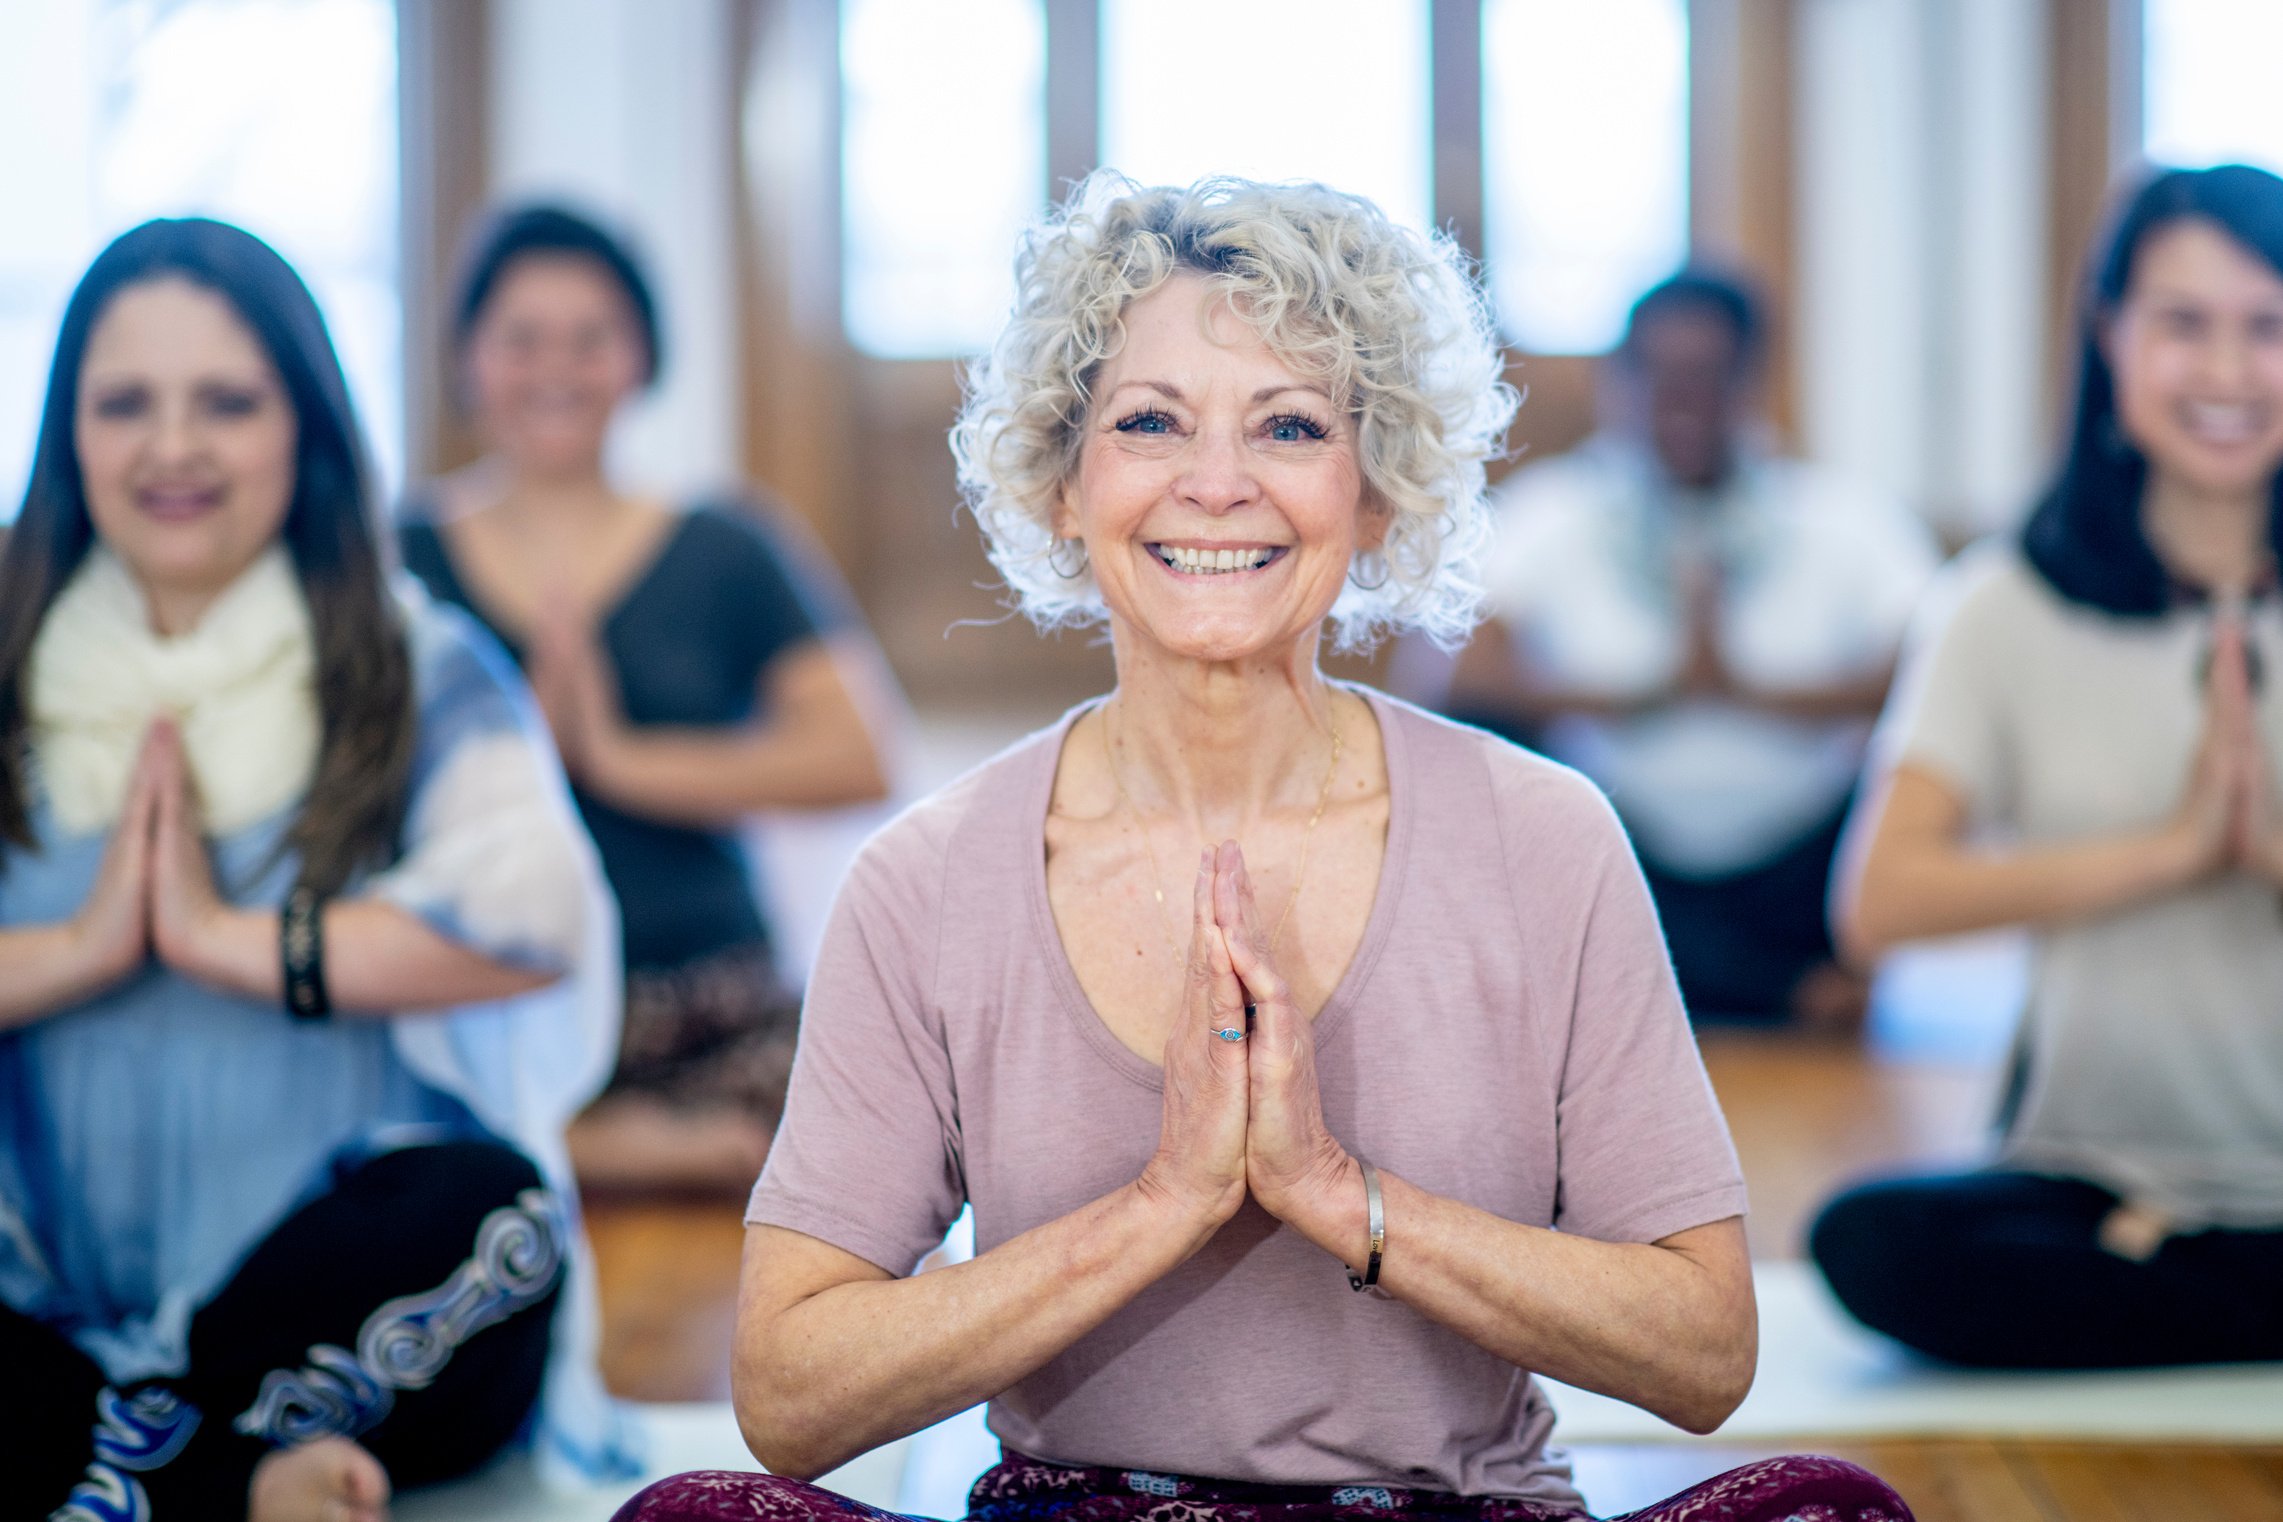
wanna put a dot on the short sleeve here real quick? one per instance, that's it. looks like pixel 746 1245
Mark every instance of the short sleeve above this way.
pixel 775 587
pixel 1643 1149
pixel 492 855
pixel 867 1157
pixel 1946 713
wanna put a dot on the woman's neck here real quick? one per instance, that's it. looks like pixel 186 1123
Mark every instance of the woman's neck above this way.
pixel 560 505
pixel 1221 745
pixel 2217 541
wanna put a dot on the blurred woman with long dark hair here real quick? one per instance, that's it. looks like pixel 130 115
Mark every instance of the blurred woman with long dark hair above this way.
pixel 303 957
pixel 2083 743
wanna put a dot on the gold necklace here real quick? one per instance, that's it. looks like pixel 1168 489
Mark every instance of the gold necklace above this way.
pixel 1111 748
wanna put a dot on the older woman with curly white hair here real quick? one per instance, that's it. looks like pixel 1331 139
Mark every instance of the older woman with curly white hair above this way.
pixel 1312 1066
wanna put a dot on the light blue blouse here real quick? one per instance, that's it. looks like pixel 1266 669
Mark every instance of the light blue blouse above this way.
pixel 152 1136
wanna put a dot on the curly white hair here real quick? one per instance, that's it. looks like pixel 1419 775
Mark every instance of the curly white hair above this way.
pixel 1392 319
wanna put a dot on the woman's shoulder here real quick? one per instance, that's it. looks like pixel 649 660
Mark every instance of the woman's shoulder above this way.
pixel 1458 770
pixel 981 828
pixel 454 657
pixel 1988 592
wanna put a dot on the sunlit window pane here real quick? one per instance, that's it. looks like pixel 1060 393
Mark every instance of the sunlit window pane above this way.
pixel 944 143
pixel 2209 88
pixel 279 115
pixel 1333 90
pixel 1585 163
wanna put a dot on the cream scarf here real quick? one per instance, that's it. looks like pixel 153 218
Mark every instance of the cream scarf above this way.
pixel 242 685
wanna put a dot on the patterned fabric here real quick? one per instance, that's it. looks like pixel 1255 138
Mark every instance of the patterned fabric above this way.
pixel 1804 1488
pixel 714 1033
pixel 405 1344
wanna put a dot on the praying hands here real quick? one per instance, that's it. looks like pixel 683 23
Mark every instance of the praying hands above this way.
pixel 2229 818
pixel 1243 1114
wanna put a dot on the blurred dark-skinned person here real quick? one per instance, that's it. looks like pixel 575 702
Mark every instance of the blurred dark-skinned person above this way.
pixel 1706 629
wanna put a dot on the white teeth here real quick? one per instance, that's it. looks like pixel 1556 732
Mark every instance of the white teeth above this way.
pixel 2222 423
pixel 1196 562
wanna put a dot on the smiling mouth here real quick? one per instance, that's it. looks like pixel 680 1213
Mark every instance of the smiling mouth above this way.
pixel 173 504
pixel 2222 423
pixel 1185 560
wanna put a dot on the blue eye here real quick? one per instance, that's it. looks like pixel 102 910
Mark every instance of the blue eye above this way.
pixel 1149 420
pixel 1292 428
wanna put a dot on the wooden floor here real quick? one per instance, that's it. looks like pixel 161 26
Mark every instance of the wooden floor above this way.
pixel 1806 1117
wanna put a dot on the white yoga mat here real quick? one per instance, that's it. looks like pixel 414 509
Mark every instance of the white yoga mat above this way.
pixel 1821 1376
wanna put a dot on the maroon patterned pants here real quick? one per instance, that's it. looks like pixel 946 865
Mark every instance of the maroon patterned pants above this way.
pixel 1801 1489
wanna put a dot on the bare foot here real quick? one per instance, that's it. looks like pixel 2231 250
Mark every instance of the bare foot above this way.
pixel 1832 1001
pixel 635 1144
pixel 328 1480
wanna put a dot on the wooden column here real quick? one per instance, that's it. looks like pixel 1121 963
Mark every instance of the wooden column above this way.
pixel 794 361
pixel 1742 191
pixel 2095 106
pixel 443 54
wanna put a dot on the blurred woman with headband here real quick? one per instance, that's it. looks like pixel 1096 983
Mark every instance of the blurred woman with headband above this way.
pixel 304 960
pixel 697 662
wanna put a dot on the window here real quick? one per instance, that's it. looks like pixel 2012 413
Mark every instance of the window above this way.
pixel 2208 82
pixel 279 115
pixel 1585 163
pixel 1334 90
pixel 944 162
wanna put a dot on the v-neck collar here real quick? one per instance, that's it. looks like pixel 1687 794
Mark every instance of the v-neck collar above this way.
pixel 630 592
pixel 1038 796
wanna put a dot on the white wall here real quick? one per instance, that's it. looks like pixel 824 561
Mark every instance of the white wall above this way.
pixel 626 109
pixel 1921 174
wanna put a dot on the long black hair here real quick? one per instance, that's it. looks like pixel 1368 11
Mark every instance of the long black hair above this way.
pixel 355 805
pixel 2085 536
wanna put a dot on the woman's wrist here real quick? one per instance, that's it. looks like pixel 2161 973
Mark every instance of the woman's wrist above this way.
pixel 2173 856
pixel 1327 1205
pixel 228 949
pixel 1186 1214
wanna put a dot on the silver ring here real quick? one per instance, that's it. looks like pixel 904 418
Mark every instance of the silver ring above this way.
pixel 1230 1033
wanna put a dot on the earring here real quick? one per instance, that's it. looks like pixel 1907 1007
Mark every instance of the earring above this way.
pixel 1361 585
pixel 1059 562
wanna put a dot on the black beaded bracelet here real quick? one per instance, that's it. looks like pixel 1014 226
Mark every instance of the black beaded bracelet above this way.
pixel 301 951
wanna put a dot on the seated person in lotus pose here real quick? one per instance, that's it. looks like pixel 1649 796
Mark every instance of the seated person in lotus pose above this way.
pixel 1706 630
pixel 696 662
pixel 2082 743
pixel 304 959
pixel 1311 1064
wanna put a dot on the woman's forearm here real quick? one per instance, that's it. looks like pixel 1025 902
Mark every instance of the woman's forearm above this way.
pixel 1669 1327
pixel 46 968
pixel 1932 890
pixel 378 960
pixel 709 778
pixel 821 1377
pixel 830 708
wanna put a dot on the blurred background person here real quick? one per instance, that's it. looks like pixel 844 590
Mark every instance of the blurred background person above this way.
pixel 695 660
pixel 268 1245
pixel 1705 629
pixel 2099 694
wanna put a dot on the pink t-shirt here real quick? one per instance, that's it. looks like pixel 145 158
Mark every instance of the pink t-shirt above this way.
pixel 1508 1035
